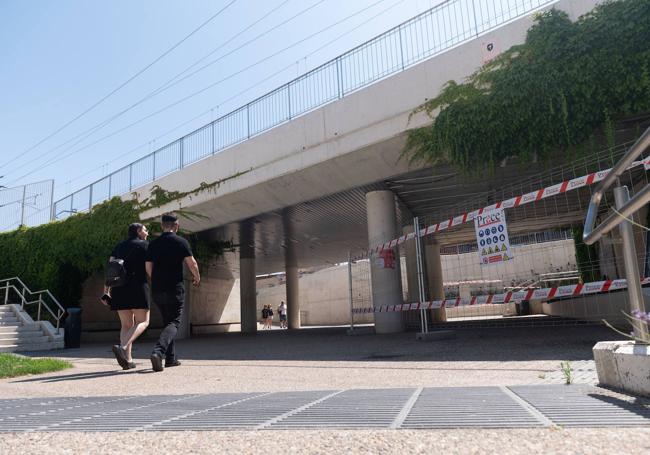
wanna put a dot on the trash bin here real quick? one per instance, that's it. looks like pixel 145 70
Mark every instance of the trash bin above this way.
pixel 525 308
pixel 72 326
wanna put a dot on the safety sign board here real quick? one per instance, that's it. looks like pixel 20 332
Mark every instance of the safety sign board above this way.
pixel 492 237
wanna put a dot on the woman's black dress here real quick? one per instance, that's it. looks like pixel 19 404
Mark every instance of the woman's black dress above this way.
pixel 134 295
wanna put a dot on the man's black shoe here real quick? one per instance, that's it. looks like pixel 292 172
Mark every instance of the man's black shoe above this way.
pixel 172 363
pixel 156 362
pixel 120 356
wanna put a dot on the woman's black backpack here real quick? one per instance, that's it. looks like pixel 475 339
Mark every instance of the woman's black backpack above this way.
pixel 116 275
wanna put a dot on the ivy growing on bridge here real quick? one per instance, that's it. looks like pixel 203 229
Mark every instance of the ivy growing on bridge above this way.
pixel 568 80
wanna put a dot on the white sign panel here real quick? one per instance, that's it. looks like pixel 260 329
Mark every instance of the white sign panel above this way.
pixel 492 237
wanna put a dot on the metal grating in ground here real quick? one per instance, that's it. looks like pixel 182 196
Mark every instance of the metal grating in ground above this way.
pixel 462 407
pixel 438 407
pixel 584 406
pixel 376 408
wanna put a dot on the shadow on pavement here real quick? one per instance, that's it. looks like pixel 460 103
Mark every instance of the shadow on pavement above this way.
pixel 78 376
pixel 561 343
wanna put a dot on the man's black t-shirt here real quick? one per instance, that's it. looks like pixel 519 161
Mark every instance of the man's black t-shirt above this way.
pixel 167 253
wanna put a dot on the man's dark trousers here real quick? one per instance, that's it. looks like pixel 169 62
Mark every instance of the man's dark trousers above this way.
pixel 170 304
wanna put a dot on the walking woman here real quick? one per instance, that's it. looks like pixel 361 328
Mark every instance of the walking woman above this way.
pixel 131 301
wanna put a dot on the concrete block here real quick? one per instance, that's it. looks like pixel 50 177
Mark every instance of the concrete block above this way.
pixel 623 365
pixel 435 335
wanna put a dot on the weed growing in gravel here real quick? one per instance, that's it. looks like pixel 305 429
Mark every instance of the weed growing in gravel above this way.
pixel 567 372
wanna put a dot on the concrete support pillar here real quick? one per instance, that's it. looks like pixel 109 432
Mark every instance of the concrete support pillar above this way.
pixel 386 282
pixel 247 280
pixel 436 290
pixel 291 270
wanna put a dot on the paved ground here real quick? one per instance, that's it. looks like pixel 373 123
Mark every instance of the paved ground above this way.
pixel 305 362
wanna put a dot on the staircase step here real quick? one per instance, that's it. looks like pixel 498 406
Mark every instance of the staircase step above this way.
pixel 11 318
pixel 50 345
pixel 6 340
pixel 19 328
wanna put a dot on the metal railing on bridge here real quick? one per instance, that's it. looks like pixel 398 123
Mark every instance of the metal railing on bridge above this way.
pixel 437 30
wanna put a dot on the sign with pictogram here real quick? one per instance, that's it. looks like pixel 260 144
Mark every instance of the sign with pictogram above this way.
pixel 386 259
pixel 492 237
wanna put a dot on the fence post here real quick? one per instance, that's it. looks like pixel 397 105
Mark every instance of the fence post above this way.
pixel 475 19
pixel 154 166
pixel 622 196
pixel 248 119
pixel 289 101
pixel 22 207
pixel 182 154
pixel 401 45
pixel 7 292
pixel 38 313
pixel 350 291
pixel 339 77
pixel 90 197
pixel 420 270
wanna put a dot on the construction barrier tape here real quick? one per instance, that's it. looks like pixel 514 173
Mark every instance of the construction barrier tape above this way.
pixel 547 294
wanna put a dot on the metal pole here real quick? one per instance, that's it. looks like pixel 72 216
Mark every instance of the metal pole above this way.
pixel 40 300
pixel 22 207
pixel 420 270
pixel 6 293
pixel 350 291
pixel 622 196
pixel 52 208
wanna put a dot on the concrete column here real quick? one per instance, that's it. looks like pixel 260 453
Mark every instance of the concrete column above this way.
pixel 386 282
pixel 247 280
pixel 436 290
pixel 291 270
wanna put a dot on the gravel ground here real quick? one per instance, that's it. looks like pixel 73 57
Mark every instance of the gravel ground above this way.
pixel 461 442
pixel 322 360
pixel 325 360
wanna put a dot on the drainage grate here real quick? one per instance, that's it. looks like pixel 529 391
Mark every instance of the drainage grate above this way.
pixel 462 407
pixel 584 406
pixel 351 409
pixel 443 407
pixel 245 414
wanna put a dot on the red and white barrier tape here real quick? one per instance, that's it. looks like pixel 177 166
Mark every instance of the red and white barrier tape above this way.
pixel 595 287
pixel 533 196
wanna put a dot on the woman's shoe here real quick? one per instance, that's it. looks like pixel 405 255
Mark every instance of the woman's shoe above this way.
pixel 120 356
pixel 129 366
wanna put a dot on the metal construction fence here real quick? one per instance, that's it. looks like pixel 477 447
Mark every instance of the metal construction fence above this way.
pixel 26 205
pixel 546 277
pixel 435 31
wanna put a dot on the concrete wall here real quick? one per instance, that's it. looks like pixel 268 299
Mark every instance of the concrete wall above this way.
pixel 214 306
pixel 323 297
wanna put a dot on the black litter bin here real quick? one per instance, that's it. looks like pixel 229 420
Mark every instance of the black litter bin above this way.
pixel 525 308
pixel 72 326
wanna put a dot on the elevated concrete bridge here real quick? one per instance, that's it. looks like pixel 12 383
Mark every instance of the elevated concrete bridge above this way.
pixel 306 192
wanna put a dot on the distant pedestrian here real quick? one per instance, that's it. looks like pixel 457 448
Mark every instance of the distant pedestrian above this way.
pixel 270 319
pixel 131 297
pixel 282 312
pixel 165 258
pixel 265 317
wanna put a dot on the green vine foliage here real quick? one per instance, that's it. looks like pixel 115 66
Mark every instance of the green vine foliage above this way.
pixel 61 255
pixel 568 80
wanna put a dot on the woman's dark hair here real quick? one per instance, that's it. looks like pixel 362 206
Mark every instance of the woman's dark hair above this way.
pixel 133 230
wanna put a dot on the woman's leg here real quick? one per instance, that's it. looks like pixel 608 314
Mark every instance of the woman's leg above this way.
pixel 141 319
pixel 126 324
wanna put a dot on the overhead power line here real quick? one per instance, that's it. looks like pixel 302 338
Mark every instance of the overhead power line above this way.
pixel 122 85
pixel 198 92
pixel 77 139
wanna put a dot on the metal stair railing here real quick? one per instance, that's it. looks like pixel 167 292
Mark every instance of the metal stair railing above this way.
pixel 625 207
pixel 44 300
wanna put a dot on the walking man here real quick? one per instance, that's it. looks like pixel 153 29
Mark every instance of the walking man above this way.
pixel 164 265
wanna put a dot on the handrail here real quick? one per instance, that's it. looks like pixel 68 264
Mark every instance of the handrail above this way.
pixel 9 284
pixel 590 234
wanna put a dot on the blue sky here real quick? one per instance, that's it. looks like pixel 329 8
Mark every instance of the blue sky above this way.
pixel 59 58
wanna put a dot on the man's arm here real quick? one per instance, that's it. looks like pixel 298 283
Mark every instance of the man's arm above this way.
pixel 191 264
pixel 148 267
